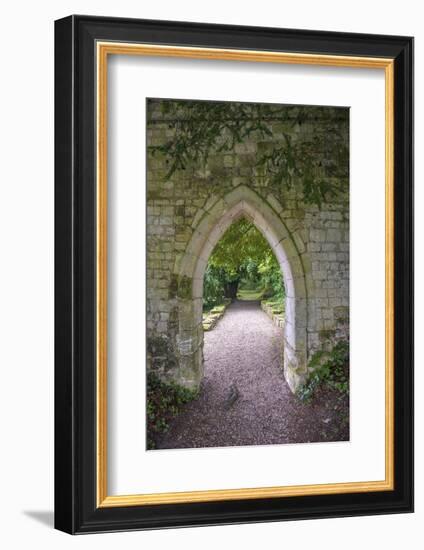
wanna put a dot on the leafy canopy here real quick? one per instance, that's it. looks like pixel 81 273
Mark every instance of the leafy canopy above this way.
pixel 241 243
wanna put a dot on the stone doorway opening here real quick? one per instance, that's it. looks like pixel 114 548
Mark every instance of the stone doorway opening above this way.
pixel 220 213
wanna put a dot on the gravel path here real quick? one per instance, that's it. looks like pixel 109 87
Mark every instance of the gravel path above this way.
pixel 244 399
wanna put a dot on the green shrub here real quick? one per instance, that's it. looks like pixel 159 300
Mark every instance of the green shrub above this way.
pixel 329 369
pixel 271 278
pixel 213 287
pixel 164 401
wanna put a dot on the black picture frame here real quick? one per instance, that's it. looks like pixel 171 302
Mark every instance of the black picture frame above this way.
pixel 76 510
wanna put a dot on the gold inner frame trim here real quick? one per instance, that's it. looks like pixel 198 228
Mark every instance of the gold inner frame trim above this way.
pixel 103 50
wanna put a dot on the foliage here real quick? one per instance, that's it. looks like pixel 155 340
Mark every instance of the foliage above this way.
pixel 271 277
pixel 330 370
pixel 164 401
pixel 214 286
pixel 240 245
pixel 244 258
pixel 203 128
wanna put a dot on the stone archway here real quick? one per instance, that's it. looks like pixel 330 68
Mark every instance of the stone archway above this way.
pixel 219 214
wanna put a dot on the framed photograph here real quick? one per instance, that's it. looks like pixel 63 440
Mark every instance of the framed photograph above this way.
pixel 234 274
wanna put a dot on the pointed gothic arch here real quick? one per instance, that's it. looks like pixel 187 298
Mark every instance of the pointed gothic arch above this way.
pixel 189 271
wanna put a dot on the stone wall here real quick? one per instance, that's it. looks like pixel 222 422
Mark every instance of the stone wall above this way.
pixel 188 212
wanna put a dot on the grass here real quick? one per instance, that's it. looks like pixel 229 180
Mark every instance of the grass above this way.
pixel 218 309
pixel 211 316
pixel 276 304
pixel 250 295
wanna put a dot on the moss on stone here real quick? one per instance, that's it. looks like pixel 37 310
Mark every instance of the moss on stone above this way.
pixel 154 194
pixel 157 345
pixel 341 313
pixel 185 287
pixel 325 335
pixel 173 318
pixel 162 354
pixel 173 286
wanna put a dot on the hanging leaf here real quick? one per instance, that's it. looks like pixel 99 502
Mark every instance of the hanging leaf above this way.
pixel 202 128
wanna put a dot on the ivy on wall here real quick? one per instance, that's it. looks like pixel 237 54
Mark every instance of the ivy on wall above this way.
pixel 318 164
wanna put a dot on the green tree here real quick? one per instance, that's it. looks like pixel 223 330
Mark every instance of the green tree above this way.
pixel 242 254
